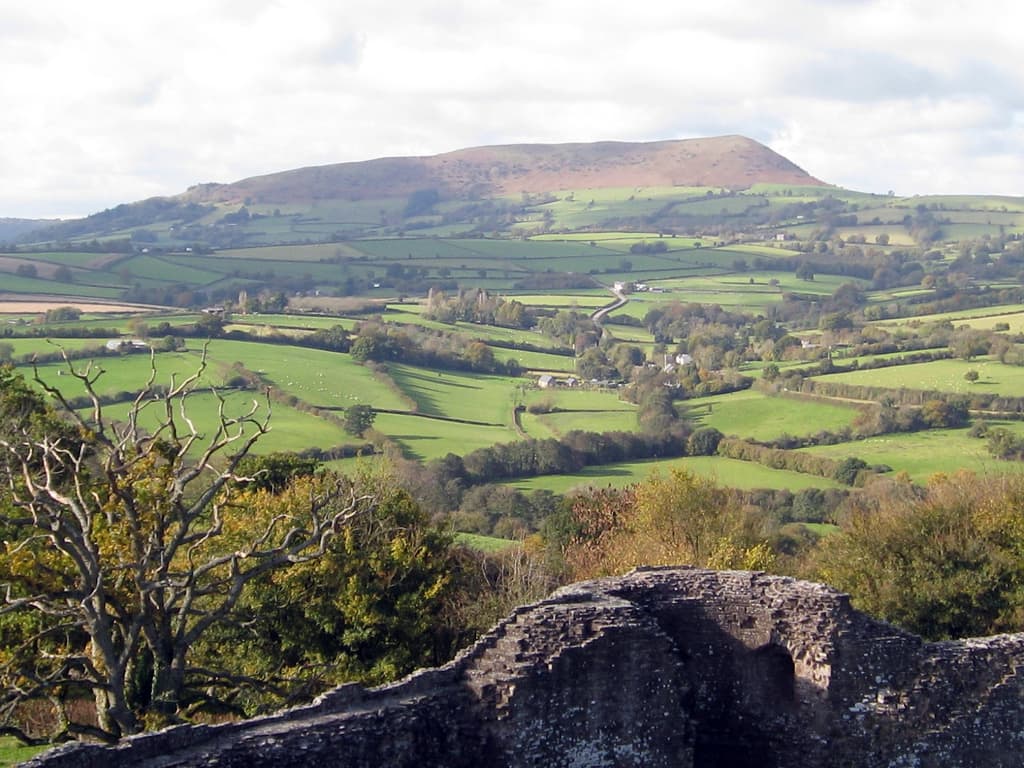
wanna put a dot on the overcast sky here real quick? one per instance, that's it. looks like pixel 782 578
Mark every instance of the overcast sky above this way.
pixel 108 101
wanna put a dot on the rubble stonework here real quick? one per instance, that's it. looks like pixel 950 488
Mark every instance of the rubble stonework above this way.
pixel 661 667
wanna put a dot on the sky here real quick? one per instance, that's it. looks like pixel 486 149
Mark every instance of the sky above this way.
pixel 110 101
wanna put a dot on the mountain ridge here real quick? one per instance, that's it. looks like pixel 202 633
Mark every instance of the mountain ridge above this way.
pixel 724 161
pixel 386 195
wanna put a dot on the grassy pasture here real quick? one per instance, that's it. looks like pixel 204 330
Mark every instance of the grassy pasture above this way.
pixel 79 259
pixel 318 377
pixel 402 249
pixel 119 322
pixel 24 347
pixel 330 379
pixel 941 375
pixel 590 207
pixel 810 191
pixel 769 249
pixel 457 394
pixel 171 269
pixel 731 290
pixel 590 410
pixel 922 454
pixel 709 206
pixel 583 299
pixel 619 241
pixel 484 543
pixel 412 316
pixel 609 263
pixel 536 427
pixel 301 322
pixel 752 414
pixel 576 399
pixel 987 323
pixel 630 333
pixel 972 231
pixel 949 203
pixel 83 288
pixel 1009 219
pixel 423 438
pixel 959 317
pixel 129 373
pixel 898 235
pixel 562 422
pixel 308 253
pixel 207 269
pixel 481 253
pixel 760 290
pixel 728 472
pixel 537 361
pixel 520 250
pixel 290 429
pixel 13 752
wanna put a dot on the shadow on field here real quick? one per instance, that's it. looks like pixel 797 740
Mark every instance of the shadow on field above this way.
pixel 405 441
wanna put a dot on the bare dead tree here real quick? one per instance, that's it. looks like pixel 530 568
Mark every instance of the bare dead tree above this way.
pixel 123 547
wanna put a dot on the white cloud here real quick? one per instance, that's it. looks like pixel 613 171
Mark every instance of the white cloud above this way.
pixel 114 101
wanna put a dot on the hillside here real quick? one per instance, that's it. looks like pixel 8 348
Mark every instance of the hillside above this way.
pixel 481 190
pixel 728 161
pixel 13 228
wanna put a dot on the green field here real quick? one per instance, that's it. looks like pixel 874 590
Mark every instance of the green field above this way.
pixel 24 347
pixel 560 423
pixel 119 322
pixel 291 430
pixel 728 472
pixel 588 410
pixel 424 438
pixel 484 543
pixel 320 378
pixel 979 317
pixel 754 415
pixel 941 375
pixel 537 361
pixel 922 454
pixel 129 373
pixel 454 394
pixel 329 379
pixel 12 752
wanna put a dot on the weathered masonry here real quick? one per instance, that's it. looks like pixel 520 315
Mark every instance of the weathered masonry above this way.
pixel 661 667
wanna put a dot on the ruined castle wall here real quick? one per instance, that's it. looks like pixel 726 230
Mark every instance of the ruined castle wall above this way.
pixel 661 667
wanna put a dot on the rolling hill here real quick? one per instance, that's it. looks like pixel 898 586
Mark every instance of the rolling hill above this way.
pixel 380 197
pixel 728 161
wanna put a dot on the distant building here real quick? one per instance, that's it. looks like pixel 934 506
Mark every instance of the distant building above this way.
pixel 545 381
pixel 132 345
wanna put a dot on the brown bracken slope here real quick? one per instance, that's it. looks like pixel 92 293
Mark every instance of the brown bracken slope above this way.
pixel 735 162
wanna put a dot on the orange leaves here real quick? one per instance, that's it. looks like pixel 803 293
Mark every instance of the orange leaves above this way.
pixel 678 519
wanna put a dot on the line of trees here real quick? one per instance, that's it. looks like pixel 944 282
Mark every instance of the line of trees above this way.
pixel 381 342
pixel 846 471
pixel 478 306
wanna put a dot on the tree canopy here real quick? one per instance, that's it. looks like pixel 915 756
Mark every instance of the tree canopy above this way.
pixel 125 546
pixel 943 561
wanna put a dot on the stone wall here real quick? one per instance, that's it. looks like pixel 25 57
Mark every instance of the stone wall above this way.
pixel 661 667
